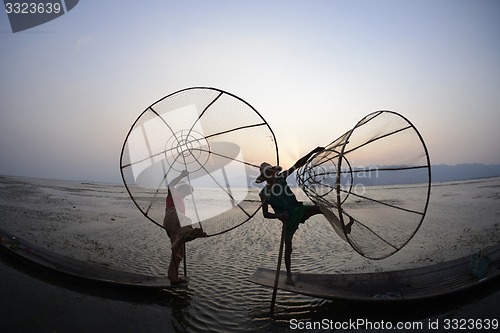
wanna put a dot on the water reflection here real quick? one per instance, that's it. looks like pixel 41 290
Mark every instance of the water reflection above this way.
pixel 219 297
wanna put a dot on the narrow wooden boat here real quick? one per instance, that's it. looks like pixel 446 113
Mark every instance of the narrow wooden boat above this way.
pixel 402 285
pixel 35 254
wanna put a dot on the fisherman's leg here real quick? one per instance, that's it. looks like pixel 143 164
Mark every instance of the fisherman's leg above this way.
pixel 177 242
pixel 288 261
pixel 348 226
pixel 173 268
pixel 172 272
pixel 189 233
pixel 172 226
pixel 311 211
pixel 180 238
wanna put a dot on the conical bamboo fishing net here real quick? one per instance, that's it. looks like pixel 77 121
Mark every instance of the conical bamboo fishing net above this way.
pixel 218 138
pixel 377 176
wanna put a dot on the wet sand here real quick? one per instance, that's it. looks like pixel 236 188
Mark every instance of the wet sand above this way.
pixel 99 223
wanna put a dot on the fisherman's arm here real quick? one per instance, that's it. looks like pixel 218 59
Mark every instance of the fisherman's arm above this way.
pixel 268 215
pixel 302 161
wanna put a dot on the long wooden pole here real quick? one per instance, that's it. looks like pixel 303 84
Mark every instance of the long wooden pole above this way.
pixel 184 255
pixel 278 268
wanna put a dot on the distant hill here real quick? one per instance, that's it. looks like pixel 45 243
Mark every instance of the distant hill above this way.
pixel 443 172
pixel 440 173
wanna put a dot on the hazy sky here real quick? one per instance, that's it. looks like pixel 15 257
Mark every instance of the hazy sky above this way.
pixel 71 88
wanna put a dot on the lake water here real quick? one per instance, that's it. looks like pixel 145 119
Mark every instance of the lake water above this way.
pixel 99 223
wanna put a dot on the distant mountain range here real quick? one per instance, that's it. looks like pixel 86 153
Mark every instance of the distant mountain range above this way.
pixel 444 173
pixel 439 173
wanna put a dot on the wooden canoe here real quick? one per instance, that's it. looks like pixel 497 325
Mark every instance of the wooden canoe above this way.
pixel 77 268
pixel 402 285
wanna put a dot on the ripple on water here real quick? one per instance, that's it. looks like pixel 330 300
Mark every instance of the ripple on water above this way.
pixel 219 297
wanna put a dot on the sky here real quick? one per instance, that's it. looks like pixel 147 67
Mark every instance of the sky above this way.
pixel 71 88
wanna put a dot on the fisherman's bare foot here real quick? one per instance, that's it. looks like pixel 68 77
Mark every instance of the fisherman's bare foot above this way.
pixel 179 281
pixel 289 280
pixel 348 227
pixel 195 233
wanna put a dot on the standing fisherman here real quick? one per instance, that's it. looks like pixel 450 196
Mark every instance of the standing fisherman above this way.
pixel 178 225
pixel 285 205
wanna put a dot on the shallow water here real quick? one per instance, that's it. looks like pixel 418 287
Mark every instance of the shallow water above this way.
pixel 99 223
